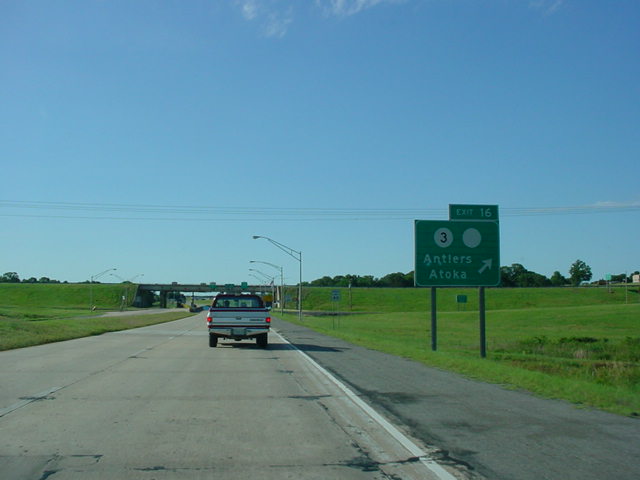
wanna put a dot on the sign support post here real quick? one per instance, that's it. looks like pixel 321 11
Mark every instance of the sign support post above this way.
pixel 483 330
pixel 434 323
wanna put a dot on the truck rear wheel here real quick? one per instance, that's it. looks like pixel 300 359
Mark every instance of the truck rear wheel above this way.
pixel 213 340
pixel 262 340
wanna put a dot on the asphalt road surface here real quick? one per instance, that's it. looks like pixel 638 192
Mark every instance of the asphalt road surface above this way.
pixel 158 403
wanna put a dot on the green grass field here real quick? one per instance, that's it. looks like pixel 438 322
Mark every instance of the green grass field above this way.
pixel 33 314
pixel 576 344
pixel 419 300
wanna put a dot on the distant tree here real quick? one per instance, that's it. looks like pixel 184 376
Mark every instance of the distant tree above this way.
pixel 340 281
pixel 325 281
pixel 409 279
pixel 44 280
pixel 558 280
pixel 518 276
pixel 509 276
pixel 506 278
pixel 579 272
pixel 533 279
pixel 365 281
pixel 10 277
pixel 30 280
pixel 396 280
pixel 351 280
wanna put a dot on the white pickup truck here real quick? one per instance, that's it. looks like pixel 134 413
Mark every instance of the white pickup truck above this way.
pixel 238 316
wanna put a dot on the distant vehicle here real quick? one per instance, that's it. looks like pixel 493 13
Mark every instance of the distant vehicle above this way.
pixel 240 317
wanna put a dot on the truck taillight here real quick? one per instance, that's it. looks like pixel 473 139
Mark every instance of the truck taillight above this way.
pixel 209 318
pixel 268 319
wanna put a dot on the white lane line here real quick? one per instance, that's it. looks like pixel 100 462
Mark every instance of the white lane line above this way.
pixel 28 400
pixel 400 437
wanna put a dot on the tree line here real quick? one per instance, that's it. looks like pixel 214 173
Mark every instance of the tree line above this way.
pixel 397 280
pixel 13 277
pixel 515 275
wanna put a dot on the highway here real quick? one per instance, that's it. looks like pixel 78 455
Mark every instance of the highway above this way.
pixel 158 403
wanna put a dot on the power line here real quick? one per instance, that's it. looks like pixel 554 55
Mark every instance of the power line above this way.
pixel 199 213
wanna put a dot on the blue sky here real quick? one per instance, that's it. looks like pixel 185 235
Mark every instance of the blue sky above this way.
pixel 157 137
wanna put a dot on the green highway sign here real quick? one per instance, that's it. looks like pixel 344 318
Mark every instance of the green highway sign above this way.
pixel 457 253
pixel 473 212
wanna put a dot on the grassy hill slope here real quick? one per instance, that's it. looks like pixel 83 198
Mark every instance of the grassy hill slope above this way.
pixel 419 299
pixel 63 295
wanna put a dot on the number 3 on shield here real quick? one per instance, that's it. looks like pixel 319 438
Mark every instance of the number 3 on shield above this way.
pixel 443 237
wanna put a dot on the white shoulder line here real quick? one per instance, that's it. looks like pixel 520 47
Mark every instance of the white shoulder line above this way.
pixel 401 438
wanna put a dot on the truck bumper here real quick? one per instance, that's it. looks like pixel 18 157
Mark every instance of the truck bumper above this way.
pixel 237 333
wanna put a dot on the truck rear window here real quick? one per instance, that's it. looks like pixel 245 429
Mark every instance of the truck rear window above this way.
pixel 238 302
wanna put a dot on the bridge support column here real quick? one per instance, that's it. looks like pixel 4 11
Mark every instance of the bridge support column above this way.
pixel 163 299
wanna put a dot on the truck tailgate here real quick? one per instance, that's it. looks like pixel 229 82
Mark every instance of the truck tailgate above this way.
pixel 221 317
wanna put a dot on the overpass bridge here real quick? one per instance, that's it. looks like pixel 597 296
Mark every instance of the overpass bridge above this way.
pixel 145 290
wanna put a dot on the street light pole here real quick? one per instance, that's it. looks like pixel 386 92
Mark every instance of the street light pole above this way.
pixel 269 278
pixel 281 281
pixel 92 279
pixel 264 275
pixel 298 256
pixel 257 278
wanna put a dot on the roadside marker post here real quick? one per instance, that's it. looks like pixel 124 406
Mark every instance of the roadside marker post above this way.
pixel 335 298
pixel 461 300
pixel 434 322
pixel 462 252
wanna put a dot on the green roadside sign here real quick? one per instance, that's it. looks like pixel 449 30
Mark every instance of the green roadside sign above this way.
pixel 462 253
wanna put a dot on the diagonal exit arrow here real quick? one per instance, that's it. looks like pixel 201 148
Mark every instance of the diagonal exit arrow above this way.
pixel 486 264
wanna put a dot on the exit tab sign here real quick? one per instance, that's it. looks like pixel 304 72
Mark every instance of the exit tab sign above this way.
pixel 473 212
